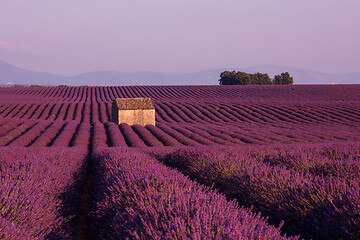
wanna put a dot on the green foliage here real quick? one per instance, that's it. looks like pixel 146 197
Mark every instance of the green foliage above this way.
pixel 62 85
pixel 284 78
pixel 235 78
pixel 243 78
pixel 260 79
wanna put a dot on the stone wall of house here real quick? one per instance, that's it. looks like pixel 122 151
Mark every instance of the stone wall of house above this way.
pixel 140 116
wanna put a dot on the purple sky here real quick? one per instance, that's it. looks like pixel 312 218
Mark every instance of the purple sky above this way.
pixel 69 37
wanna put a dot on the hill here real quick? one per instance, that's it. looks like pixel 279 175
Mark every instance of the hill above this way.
pixel 16 75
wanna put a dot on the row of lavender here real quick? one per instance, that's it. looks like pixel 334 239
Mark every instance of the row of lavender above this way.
pixel 139 198
pixel 31 133
pixel 134 196
pixel 192 111
pixel 38 191
pixel 237 112
pixel 85 112
pixel 243 93
pixel 315 189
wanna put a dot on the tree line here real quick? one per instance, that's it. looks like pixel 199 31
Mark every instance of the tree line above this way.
pixel 243 78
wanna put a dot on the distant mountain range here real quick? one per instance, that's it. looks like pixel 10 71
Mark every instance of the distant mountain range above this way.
pixel 10 75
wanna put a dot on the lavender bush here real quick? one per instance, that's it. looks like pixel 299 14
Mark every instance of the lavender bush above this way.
pixel 48 135
pixel 146 136
pixel 64 137
pixel 139 198
pixel 294 195
pixel 32 188
pixel 26 139
pixel 115 136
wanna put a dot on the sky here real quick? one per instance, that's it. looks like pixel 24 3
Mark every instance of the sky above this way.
pixel 177 36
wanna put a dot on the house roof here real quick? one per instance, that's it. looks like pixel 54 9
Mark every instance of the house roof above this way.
pixel 133 103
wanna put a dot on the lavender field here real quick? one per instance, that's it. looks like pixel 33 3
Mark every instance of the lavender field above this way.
pixel 222 162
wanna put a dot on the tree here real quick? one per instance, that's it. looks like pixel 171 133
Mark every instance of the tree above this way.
pixel 243 78
pixel 235 78
pixel 284 78
pixel 227 78
pixel 260 79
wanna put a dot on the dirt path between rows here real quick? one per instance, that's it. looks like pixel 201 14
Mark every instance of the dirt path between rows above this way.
pixel 81 224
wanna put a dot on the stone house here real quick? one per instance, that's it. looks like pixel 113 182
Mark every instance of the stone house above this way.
pixel 133 111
